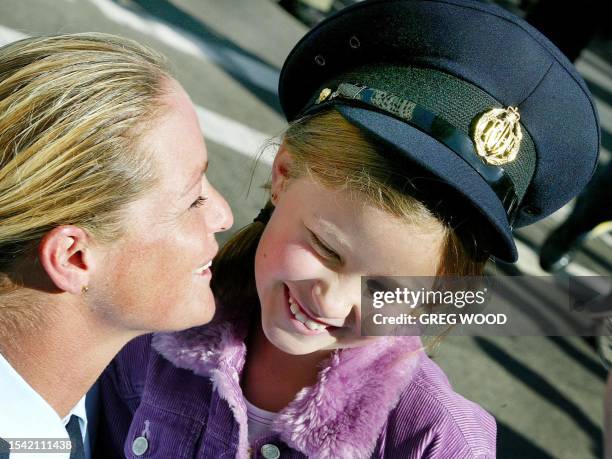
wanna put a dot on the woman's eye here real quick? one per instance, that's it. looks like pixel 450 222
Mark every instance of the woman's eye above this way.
pixel 322 248
pixel 198 202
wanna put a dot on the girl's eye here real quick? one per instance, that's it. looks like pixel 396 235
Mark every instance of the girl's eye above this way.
pixel 322 248
pixel 198 202
pixel 373 286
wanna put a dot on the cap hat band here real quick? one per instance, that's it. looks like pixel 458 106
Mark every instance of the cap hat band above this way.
pixel 430 123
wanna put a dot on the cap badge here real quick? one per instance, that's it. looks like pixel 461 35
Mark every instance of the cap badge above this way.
pixel 323 95
pixel 497 135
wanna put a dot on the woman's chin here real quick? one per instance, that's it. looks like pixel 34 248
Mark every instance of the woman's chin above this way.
pixel 198 314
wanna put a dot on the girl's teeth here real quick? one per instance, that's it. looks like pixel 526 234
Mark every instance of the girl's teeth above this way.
pixel 301 317
pixel 311 324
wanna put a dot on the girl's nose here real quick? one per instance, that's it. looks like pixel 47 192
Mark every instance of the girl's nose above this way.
pixel 330 301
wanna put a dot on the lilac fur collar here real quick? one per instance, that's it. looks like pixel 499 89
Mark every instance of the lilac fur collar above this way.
pixel 341 416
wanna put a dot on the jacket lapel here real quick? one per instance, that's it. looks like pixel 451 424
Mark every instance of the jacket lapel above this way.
pixel 343 414
pixel 216 351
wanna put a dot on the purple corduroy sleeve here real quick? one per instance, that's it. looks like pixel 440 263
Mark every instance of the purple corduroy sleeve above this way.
pixel 433 421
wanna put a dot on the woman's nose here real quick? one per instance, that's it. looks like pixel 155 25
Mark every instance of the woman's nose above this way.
pixel 219 216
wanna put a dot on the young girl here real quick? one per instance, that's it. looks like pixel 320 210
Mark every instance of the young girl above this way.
pixel 420 132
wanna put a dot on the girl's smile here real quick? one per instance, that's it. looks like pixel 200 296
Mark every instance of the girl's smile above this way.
pixel 302 320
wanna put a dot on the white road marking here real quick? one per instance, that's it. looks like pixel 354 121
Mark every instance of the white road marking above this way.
pixel 594 68
pixel 9 35
pixel 264 76
pixel 528 260
pixel 217 128
pixel 597 70
pixel 231 134
pixel 149 26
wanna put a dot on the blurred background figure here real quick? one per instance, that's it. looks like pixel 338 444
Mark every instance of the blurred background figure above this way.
pixel 591 217
pixel 572 26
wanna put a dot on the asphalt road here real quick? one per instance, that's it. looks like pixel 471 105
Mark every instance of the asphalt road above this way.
pixel 545 392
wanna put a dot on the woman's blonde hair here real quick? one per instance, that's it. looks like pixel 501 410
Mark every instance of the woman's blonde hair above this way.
pixel 72 108
pixel 338 155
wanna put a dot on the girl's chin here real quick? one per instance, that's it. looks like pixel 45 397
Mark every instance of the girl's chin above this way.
pixel 291 344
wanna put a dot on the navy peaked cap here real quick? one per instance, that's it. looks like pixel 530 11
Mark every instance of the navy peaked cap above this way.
pixel 465 90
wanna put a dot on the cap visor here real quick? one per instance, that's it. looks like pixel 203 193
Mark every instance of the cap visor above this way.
pixel 443 163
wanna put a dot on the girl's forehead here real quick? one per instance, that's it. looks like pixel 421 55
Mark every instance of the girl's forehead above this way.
pixel 330 206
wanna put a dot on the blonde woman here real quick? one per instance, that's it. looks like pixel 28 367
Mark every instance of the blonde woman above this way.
pixel 107 223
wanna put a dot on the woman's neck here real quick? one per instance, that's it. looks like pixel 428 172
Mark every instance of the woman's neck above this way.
pixel 271 377
pixel 62 355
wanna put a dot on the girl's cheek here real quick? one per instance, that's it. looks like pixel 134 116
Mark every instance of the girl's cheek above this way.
pixel 300 263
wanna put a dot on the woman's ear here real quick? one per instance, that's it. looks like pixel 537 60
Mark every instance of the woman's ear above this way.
pixel 280 172
pixel 65 255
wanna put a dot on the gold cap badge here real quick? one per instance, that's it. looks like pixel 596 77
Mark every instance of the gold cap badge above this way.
pixel 498 135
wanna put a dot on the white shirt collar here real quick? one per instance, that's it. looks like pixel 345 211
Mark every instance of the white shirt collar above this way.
pixel 25 414
pixel 78 411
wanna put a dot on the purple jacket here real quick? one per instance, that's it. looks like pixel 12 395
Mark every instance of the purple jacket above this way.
pixel 387 399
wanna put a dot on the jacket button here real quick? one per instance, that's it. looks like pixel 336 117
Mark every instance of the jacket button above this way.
pixel 140 446
pixel 269 451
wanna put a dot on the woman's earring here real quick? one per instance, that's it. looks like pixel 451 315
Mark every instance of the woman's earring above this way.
pixel 84 289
